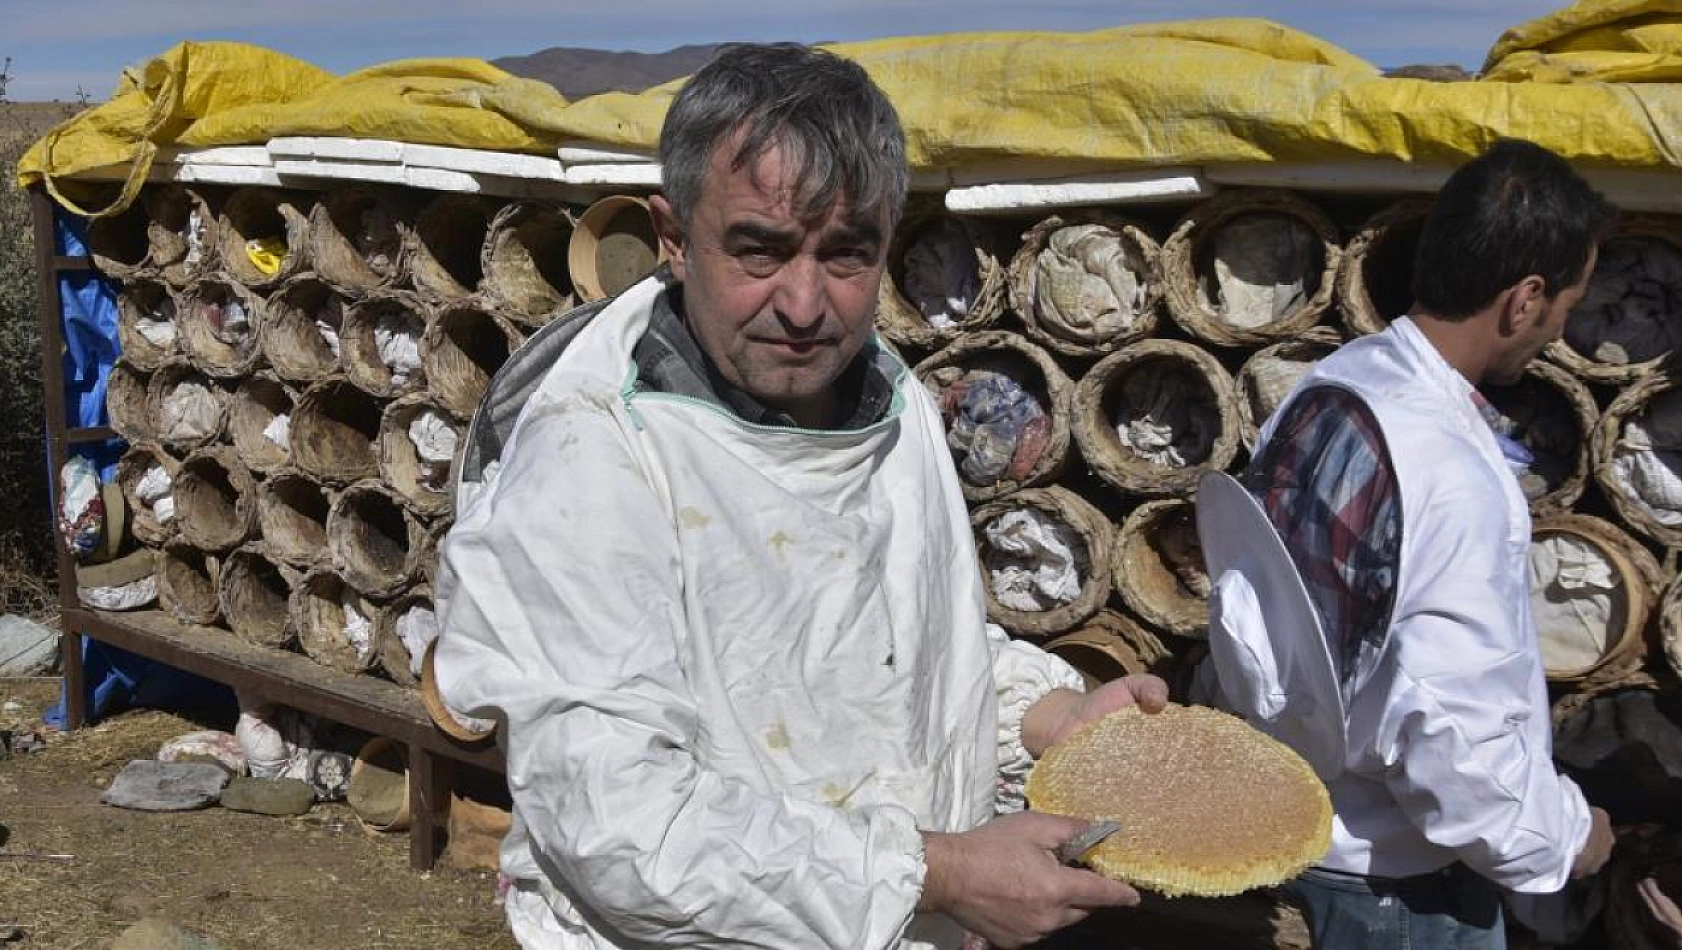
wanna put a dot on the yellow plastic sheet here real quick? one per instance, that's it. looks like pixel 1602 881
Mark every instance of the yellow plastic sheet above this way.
pixel 1592 82
pixel 1605 41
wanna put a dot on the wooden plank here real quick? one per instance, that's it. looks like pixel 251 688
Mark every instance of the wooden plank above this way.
pixel 90 434
pixel 48 265
pixel 291 679
pixel 52 372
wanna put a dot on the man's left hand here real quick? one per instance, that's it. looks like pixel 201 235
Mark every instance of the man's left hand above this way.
pixel 1063 712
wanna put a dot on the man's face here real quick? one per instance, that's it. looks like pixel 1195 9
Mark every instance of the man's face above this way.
pixel 1549 326
pixel 781 304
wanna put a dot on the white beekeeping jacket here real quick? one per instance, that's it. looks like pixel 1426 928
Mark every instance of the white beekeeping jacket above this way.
pixel 740 667
pixel 1449 742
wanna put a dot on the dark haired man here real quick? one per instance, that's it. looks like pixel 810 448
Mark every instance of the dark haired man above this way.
pixel 713 570
pixel 1399 506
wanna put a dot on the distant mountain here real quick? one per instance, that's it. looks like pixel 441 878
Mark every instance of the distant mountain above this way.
pixel 584 72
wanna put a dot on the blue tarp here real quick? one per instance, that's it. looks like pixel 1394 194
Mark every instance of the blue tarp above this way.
pixel 114 679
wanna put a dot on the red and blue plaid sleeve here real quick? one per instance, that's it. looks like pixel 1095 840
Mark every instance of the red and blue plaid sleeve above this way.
pixel 1326 482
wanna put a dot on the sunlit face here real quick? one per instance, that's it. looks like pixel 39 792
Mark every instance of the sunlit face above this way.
pixel 1534 337
pixel 780 303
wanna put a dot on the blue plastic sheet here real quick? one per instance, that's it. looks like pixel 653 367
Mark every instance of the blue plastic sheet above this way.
pixel 89 305
pixel 114 679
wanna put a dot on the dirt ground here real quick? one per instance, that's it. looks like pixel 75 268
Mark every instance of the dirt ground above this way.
pixel 249 881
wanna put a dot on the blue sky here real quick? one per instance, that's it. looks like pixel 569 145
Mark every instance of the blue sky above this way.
pixel 57 46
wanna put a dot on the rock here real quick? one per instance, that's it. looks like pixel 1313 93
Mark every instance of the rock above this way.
pixel 146 785
pixel 155 934
pixel 268 796
pixel 26 647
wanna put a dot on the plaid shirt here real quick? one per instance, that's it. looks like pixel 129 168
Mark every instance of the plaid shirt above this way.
pixel 1327 484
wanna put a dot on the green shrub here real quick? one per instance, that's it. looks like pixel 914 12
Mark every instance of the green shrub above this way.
pixel 27 556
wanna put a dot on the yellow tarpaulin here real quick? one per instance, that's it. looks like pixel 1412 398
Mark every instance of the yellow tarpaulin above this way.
pixel 1591 82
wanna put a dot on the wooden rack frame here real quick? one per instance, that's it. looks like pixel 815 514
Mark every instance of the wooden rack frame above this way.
pixel 289 679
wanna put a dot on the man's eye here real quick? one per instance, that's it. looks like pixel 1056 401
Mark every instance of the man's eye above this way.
pixel 758 256
pixel 758 260
pixel 851 259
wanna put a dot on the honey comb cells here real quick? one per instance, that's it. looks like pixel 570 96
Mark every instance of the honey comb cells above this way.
pixel 1208 806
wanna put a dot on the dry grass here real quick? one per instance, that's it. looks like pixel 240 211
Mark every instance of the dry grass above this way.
pixel 249 881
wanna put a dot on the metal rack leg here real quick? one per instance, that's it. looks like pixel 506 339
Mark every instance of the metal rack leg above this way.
pixel 430 779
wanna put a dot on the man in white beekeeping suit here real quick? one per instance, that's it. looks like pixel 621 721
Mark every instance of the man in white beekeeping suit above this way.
pixel 713 571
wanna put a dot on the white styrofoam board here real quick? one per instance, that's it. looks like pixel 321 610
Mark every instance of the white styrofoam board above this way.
pixel 376 151
pixel 228 175
pixel 595 153
pixel 328 147
pixel 480 161
pixel 617 175
pixel 430 179
pixel 250 155
pixel 502 186
pixel 1130 187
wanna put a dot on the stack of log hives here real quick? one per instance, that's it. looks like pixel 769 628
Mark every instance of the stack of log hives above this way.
pixel 297 372
pixel 298 369
pixel 1092 364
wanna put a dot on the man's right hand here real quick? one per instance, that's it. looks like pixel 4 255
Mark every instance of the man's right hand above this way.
pixel 1003 882
pixel 1599 846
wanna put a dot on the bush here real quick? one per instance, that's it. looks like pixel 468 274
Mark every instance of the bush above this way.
pixel 27 556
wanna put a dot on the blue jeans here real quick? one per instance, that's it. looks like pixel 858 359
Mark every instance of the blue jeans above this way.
pixel 1451 909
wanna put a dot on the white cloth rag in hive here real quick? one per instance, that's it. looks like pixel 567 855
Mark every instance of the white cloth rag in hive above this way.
pixel 435 440
pixel 1572 587
pixel 1084 286
pixel 158 329
pixel 417 627
pixel 1649 459
pixel 279 429
pixel 399 345
pixel 1152 440
pixel 359 630
pixel 329 335
pixel 191 412
pixel 153 486
pixel 1260 263
pixel 1042 571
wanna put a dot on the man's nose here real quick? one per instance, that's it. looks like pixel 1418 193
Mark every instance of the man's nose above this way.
pixel 800 300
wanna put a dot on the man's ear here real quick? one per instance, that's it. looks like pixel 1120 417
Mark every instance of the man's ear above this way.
pixel 670 232
pixel 1524 305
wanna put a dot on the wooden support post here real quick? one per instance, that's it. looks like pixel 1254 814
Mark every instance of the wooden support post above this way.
pixel 48 265
pixel 430 779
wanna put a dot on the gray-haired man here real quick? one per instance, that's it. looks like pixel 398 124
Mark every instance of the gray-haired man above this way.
pixel 713 569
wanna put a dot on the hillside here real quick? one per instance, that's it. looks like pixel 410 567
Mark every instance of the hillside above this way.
pixel 584 72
